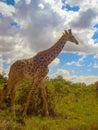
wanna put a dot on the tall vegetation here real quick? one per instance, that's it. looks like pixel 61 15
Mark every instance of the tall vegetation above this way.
pixel 72 106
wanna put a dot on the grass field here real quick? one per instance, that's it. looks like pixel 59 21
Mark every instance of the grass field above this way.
pixel 75 107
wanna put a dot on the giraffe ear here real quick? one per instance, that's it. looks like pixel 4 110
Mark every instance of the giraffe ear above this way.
pixel 66 32
pixel 70 31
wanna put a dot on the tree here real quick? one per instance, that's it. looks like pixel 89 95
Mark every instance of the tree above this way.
pixel 3 78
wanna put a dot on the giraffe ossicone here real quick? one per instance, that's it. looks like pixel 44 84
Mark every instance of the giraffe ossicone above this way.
pixel 36 69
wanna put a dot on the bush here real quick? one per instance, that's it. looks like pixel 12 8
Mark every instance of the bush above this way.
pixel 3 79
pixel 36 103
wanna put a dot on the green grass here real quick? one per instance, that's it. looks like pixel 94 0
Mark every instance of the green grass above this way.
pixel 76 108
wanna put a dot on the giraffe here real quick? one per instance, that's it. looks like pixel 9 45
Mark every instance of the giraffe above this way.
pixel 96 84
pixel 36 69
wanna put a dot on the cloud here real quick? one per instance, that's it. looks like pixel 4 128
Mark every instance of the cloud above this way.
pixel 96 56
pixel 6 10
pixel 85 19
pixel 42 18
pixel 1 65
pixel 74 63
pixel 62 72
pixel 28 1
pixel 37 22
pixel 55 62
pixel 25 1
pixel 41 6
pixel 84 5
pixel 40 25
pixel 95 65
pixel 77 63
pixel 75 79
pixel 86 79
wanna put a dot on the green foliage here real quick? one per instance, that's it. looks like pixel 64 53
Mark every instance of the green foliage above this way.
pixel 36 104
pixel 3 81
pixel 3 78
pixel 72 107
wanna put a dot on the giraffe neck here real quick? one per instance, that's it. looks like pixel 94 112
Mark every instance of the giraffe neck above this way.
pixel 54 51
pixel 44 58
pixel 47 56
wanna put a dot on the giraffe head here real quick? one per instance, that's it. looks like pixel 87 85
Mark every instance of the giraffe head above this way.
pixel 70 36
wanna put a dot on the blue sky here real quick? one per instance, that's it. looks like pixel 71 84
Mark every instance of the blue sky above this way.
pixel 27 27
pixel 10 2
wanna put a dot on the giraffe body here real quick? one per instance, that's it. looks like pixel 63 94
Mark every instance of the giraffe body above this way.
pixel 36 69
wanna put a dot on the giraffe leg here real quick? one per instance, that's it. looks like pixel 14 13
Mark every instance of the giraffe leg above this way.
pixel 39 76
pixel 44 96
pixel 13 92
pixel 31 93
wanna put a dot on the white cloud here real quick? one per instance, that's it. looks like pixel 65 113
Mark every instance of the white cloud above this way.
pixel 82 58
pixel 95 65
pixel 6 10
pixel 1 64
pixel 41 6
pixel 28 1
pixel 25 1
pixel 86 79
pixel 84 19
pixel 55 62
pixel 74 63
pixel 84 5
pixel 16 1
pixel 75 79
pixel 41 23
pixel 73 71
pixel 62 72
pixel 77 63
pixel 96 56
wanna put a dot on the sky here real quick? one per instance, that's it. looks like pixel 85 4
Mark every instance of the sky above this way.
pixel 30 26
